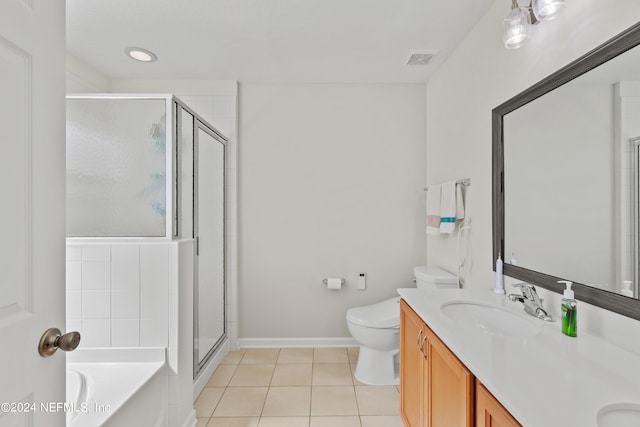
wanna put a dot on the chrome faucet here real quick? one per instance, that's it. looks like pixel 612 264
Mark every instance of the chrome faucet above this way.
pixel 531 301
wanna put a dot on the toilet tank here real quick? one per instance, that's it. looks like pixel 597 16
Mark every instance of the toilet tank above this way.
pixel 430 277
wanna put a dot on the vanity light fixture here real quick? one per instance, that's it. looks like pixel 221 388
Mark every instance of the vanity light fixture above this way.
pixel 546 10
pixel 140 54
pixel 518 20
pixel 517 28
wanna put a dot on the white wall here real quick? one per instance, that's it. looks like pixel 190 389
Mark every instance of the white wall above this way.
pixel 480 75
pixel 331 184
pixel 82 78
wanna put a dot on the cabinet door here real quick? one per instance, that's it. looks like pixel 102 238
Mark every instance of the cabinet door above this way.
pixel 451 387
pixel 489 412
pixel 412 331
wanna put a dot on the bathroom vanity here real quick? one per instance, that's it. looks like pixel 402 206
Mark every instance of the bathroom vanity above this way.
pixel 444 392
pixel 435 387
pixel 469 357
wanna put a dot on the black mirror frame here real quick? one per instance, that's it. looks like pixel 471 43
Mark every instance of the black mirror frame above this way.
pixel 619 44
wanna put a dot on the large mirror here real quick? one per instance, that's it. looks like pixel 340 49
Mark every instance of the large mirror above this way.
pixel 566 174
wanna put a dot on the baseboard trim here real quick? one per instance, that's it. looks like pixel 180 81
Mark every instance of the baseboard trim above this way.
pixel 296 342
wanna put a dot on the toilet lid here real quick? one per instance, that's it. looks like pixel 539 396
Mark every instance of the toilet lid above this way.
pixel 385 314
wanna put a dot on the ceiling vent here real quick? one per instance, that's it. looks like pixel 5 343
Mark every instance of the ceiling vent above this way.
pixel 421 57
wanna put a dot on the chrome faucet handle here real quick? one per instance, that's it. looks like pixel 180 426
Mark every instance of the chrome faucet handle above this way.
pixel 531 301
pixel 528 291
pixel 516 297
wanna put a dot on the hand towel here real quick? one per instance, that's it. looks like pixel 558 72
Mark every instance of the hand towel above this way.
pixel 433 209
pixel 451 207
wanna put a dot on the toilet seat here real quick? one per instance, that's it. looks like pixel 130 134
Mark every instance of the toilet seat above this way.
pixel 384 314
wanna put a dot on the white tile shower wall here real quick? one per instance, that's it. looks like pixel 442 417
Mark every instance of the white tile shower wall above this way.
pixel 118 292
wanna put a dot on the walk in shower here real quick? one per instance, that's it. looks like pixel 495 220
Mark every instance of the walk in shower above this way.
pixel 145 175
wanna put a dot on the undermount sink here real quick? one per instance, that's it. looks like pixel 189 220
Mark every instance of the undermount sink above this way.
pixel 619 415
pixel 490 319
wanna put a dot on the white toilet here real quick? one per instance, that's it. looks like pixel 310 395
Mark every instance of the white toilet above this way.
pixel 376 327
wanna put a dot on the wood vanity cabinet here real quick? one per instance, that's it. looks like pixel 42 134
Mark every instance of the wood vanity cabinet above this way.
pixel 489 412
pixel 412 367
pixel 436 389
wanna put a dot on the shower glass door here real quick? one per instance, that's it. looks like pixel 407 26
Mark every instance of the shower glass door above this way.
pixel 209 231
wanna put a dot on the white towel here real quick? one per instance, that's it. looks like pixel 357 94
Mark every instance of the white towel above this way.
pixel 451 207
pixel 433 209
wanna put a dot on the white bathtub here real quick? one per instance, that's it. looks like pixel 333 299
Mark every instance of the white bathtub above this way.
pixel 117 388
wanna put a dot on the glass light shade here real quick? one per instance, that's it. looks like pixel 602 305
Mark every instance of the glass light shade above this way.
pixel 517 28
pixel 546 10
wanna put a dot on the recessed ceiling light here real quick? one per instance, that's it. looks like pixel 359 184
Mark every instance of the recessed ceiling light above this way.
pixel 140 54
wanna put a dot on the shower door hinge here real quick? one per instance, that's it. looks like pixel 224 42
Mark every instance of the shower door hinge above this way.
pixel 197 246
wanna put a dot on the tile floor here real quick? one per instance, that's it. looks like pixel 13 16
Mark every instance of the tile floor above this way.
pixel 294 387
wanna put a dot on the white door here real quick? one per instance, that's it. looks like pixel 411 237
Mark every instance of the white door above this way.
pixel 32 200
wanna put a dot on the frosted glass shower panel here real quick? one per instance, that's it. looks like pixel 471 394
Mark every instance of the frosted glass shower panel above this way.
pixel 116 167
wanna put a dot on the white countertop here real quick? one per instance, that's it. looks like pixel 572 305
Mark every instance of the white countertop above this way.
pixel 544 380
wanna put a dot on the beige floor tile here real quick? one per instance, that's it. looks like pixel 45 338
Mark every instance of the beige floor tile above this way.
pixel 252 375
pixel 378 400
pixel 241 402
pixel 233 422
pixel 284 422
pixel 282 388
pixel 257 356
pixel 221 376
pixel 335 422
pixel 287 402
pixel 233 357
pixel 332 374
pixel 353 353
pixel 207 401
pixel 333 400
pixel 296 355
pixel 381 421
pixel 292 375
pixel 330 355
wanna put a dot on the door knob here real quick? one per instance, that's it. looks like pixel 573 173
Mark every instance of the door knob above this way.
pixel 52 340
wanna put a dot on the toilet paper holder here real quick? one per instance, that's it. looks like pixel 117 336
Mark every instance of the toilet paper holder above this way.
pixel 326 281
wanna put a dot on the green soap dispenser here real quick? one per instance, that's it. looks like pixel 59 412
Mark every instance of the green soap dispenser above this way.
pixel 569 311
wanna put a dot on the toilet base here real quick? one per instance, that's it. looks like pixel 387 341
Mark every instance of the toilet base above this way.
pixel 376 367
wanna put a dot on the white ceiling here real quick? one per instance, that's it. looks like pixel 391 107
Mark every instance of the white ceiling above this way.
pixel 270 41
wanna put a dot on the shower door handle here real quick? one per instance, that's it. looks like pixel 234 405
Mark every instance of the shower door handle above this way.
pixel 52 340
